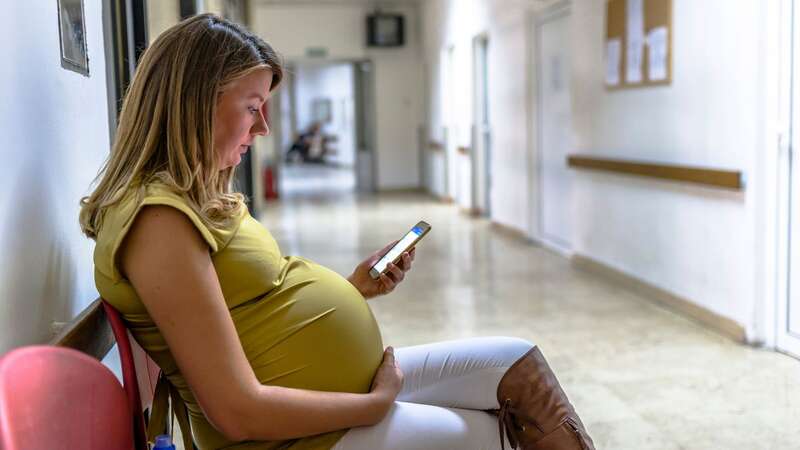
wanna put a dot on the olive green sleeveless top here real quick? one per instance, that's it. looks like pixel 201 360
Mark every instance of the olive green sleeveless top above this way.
pixel 301 325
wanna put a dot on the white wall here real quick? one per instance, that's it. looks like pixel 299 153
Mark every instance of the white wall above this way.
pixel 333 82
pixel 701 244
pixel 341 29
pixel 455 23
pixel 55 137
pixel 709 246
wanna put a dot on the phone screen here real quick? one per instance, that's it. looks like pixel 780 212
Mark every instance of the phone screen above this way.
pixel 398 249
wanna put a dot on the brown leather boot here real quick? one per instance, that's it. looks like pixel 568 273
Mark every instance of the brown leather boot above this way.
pixel 535 411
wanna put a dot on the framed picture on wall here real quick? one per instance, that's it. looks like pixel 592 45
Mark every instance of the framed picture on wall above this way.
pixel 72 35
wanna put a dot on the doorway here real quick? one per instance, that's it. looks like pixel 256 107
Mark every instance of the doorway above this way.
pixel 126 24
pixel 554 224
pixel 327 130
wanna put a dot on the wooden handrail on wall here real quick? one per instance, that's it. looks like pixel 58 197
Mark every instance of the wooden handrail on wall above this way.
pixel 435 146
pixel 89 332
pixel 727 179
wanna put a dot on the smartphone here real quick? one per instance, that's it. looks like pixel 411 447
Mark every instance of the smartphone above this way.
pixel 403 245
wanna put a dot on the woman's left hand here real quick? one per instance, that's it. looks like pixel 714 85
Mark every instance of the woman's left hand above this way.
pixel 388 280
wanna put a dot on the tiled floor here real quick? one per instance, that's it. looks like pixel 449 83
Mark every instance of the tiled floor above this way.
pixel 642 377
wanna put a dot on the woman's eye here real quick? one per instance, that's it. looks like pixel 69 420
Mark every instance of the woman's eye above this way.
pixel 252 110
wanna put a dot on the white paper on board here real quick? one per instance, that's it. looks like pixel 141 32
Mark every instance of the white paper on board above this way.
pixel 636 40
pixel 657 45
pixel 635 18
pixel 633 72
pixel 613 55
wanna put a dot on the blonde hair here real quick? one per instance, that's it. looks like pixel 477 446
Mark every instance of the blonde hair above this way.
pixel 166 122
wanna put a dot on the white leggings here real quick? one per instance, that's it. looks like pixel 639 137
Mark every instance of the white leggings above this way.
pixel 446 386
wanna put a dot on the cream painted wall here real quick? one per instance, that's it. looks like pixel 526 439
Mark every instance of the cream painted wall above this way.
pixel 55 138
pixel 161 15
pixel 292 28
pixel 702 244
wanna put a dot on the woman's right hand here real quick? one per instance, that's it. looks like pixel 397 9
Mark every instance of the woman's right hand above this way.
pixel 388 380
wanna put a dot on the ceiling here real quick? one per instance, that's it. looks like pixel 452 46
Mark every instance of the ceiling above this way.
pixel 335 2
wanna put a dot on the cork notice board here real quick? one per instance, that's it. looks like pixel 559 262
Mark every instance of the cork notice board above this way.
pixel 638 46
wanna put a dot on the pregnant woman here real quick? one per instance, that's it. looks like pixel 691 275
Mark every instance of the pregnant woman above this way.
pixel 259 350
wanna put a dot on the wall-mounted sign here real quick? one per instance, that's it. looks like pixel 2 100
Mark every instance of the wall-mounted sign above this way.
pixel 316 52
pixel 72 34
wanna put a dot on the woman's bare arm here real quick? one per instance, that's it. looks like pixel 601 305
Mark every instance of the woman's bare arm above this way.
pixel 169 265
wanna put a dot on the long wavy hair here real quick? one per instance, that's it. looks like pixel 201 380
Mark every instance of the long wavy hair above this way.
pixel 166 122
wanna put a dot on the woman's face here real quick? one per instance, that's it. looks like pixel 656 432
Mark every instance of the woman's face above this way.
pixel 241 116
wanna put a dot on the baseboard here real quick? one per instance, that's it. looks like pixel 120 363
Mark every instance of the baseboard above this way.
pixel 553 247
pixel 509 231
pixel 403 190
pixel 685 307
pixel 472 212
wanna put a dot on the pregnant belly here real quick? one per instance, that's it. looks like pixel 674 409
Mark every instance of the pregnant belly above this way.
pixel 313 331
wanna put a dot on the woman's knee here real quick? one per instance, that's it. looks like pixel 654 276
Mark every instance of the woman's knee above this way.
pixel 516 342
pixel 509 348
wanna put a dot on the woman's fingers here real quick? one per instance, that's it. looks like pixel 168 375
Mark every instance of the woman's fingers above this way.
pixel 388 284
pixel 388 356
pixel 406 262
pixel 389 377
pixel 397 273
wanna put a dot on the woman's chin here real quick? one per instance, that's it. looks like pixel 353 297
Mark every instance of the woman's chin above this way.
pixel 234 161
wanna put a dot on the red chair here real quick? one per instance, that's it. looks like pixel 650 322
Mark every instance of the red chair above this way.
pixel 54 398
pixel 139 374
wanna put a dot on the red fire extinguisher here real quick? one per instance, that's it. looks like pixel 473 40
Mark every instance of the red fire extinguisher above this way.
pixel 270 190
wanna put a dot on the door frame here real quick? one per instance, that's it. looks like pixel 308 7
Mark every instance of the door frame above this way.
pixel 366 142
pixel 449 124
pixel 788 121
pixel 555 11
pixel 480 195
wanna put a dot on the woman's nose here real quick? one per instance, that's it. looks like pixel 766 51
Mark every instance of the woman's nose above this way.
pixel 260 127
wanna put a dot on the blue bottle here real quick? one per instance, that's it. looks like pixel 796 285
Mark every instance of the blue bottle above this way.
pixel 163 442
